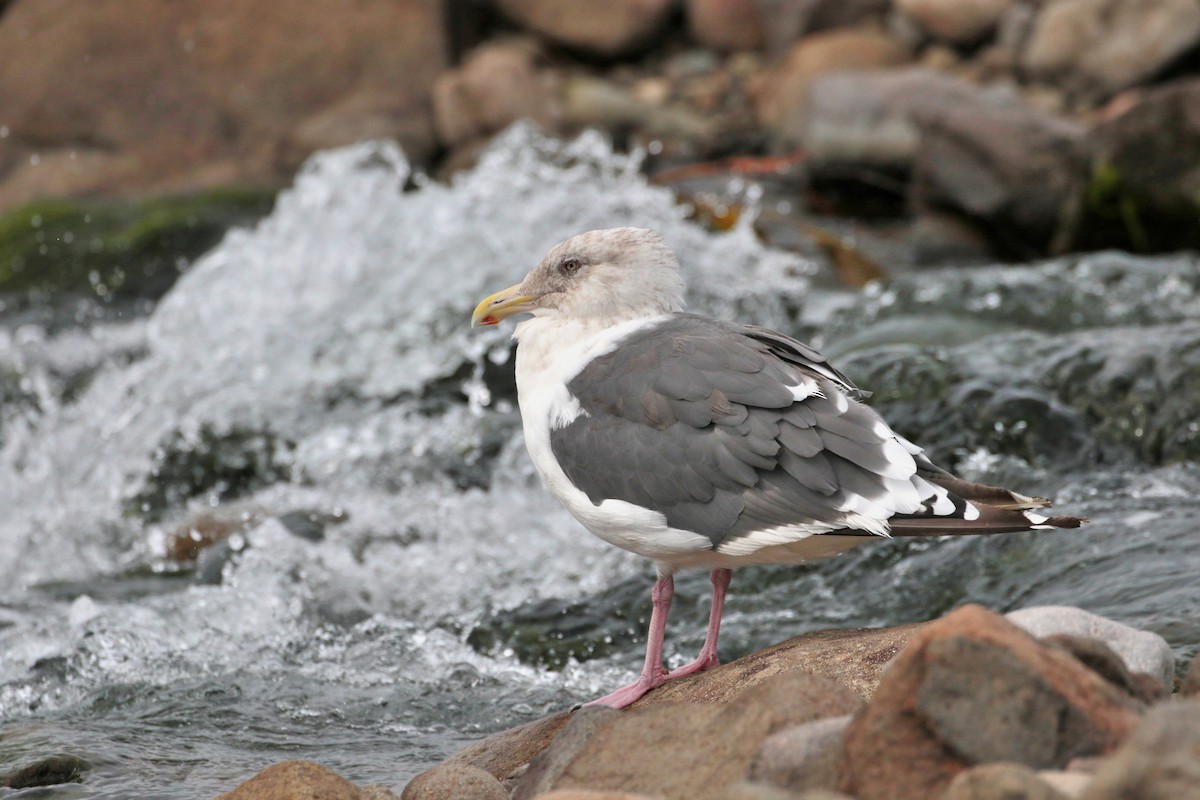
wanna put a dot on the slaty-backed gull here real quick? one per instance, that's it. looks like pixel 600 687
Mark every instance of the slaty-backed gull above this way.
pixel 702 443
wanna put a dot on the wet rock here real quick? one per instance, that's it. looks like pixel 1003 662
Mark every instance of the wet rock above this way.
pixel 955 21
pixel 1000 782
pixel 498 84
pixel 726 24
pixel 1102 46
pixel 804 757
pixel 295 780
pixel 706 745
pixel 781 105
pixel 973 688
pixel 47 771
pixel 1145 182
pixel 454 782
pixel 606 30
pixel 114 251
pixel 1141 651
pixel 206 97
pixel 1161 760
pixel 1015 169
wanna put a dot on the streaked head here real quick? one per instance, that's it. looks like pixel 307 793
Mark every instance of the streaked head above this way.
pixel 615 274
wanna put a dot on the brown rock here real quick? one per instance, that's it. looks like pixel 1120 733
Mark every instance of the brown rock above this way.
pixel 1000 782
pixel 956 21
pixel 790 20
pixel 497 85
pixel 726 24
pixel 505 753
pixel 295 780
pixel 454 782
pixel 707 745
pixel 603 29
pixel 153 95
pixel 784 95
pixel 546 769
pixel 855 658
pixel 1103 660
pixel 973 688
pixel 1161 761
pixel 802 757
pixel 587 794
pixel 1103 46
pixel 1191 682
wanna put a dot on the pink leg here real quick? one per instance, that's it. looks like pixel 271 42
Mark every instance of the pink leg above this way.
pixel 653 673
pixel 708 654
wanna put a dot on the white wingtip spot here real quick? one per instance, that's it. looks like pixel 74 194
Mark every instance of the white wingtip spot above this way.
pixel 805 390
pixel 1036 519
pixel 971 512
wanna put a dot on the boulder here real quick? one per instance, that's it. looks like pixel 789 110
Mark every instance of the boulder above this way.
pixel 1161 760
pixel 600 29
pixel 454 782
pixel 228 92
pixel 295 780
pixel 972 688
pixel 789 20
pixel 685 750
pixel 783 98
pixel 1099 47
pixel 955 21
pixel 496 85
pixel 1191 681
pixel 1142 651
pixel 726 24
pixel 803 757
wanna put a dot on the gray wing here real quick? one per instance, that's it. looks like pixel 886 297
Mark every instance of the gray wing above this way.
pixel 729 429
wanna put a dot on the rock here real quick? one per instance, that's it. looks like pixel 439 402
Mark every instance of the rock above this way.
pixel 1144 166
pixel 47 771
pixel 1191 682
pixel 1142 651
pixel 497 85
pixel 454 782
pixel 295 780
pixel 553 761
pixel 794 19
pixel 973 688
pixel 600 29
pixel 803 757
pixel 1102 46
pixel 783 98
pixel 706 745
pixel 503 755
pixel 1066 782
pixel 955 21
pixel 1000 782
pixel 1016 169
pixel 1160 761
pixel 231 93
pixel 587 794
pixel 1103 660
pixel 726 24
pixel 854 657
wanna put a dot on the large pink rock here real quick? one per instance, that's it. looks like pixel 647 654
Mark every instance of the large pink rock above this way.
pixel 154 95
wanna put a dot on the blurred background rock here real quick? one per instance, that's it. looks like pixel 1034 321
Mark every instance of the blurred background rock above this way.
pixel 878 135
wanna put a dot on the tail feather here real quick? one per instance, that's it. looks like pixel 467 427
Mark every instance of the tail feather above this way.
pixel 998 511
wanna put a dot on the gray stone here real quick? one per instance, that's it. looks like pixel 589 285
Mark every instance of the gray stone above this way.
pixel 1142 651
pixel 1160 761
pixel 803 757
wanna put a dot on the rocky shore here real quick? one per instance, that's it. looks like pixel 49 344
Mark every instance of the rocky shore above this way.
pixel 1044 703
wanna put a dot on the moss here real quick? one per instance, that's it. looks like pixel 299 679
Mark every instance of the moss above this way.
pixel 116 249
pixel 1120 212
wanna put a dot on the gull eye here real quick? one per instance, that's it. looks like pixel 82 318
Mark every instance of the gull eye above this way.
pixel 569 266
